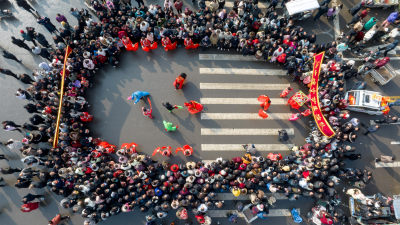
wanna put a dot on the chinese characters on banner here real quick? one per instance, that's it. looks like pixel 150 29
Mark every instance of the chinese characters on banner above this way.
pixel 322 123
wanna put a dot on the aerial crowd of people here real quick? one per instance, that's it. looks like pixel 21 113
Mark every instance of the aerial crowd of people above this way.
pixel 95 184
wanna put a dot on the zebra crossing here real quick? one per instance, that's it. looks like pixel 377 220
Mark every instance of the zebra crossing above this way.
pixel 240 98
pixel 230 120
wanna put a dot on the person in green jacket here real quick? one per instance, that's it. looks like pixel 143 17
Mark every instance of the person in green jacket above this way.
pixel 169 126
pixel 371 22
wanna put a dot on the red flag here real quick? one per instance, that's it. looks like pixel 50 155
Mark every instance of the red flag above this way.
pixel 68 51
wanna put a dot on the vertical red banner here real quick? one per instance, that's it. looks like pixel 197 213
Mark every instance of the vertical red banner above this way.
pixel 322 123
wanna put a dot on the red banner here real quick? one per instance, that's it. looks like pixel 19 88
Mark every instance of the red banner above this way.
pixel 322 123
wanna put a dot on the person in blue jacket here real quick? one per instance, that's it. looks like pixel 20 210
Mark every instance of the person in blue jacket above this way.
pixel 137 95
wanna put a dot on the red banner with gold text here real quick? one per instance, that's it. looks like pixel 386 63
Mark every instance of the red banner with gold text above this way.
pixel 322 123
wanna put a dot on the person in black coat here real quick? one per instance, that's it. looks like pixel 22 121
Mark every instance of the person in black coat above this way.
pixel 36 119
pixel 25 78
pixel 41 39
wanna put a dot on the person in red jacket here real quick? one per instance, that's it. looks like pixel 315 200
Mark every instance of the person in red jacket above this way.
pixel 145 44
pixel 57 219
pixel 30 206
pixel 189 44
pixel 178 83
pixel 265 102
pixel 167 44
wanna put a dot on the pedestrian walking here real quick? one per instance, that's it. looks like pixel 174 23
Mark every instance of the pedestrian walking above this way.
pixel 45 21
pixel 358 17
pixel 25 78
pixel 2 156
pixel 41 39
pixel 370 23
pixel 390 19
pixel 389 47
pixel 178 6
pixel 10 126
pixel 20 43
pixel 30 197
pixel 283 135
pixel 321 11
pixel 9 55
pixel 27 37
pixel 357 7
pixel 61 18
pixel 373 127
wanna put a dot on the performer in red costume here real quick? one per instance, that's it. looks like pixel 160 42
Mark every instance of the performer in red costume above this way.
pixel 194 107
pixel 178 83
pixel 189 44
pixel 167 44
pixel 128 44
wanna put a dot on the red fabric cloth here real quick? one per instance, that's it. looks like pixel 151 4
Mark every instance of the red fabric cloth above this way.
pixel 29 206
pixel 325 220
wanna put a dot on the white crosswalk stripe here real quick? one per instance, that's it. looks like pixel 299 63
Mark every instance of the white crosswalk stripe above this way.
pixel 272 213
pixel 243 131
pixel 244 116
pixel 240 71
pixel 230 196
pixel 244 86
pixel 227 57
pixel 388 164
pixel 239 147
pixel 239 101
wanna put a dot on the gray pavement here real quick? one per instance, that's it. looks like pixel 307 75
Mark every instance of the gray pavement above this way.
pixel 118 120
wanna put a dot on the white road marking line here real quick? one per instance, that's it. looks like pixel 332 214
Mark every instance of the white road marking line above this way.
pixel 360 59
pixel 239 147
pixel 395 143
pixel 272 213
pixel 227 57
pixel 244 116
pixel 243 131
pixel 238 71
pixel 383 164
pixel 336 26
pixel 230 196
pixel 240 101
pixel 243 86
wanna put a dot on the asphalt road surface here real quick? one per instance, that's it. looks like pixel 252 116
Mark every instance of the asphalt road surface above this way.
pixel 227 122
